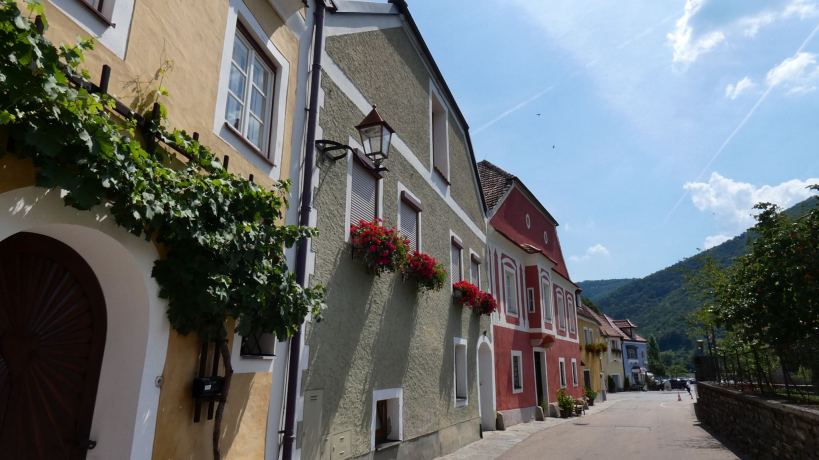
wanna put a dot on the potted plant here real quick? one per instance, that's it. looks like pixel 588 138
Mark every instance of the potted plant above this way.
pixel 429 274
pixel 590 395
pixel 381 249
pixel 565 402
pixel 465 293
pixel 485 304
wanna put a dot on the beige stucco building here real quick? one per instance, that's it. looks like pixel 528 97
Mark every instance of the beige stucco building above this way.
pixel 234 74
pixel 391 371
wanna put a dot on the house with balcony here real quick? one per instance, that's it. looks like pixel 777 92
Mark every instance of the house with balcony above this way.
pixel 232 75
pixel 635 353
pixel 535 330
pixel 394 368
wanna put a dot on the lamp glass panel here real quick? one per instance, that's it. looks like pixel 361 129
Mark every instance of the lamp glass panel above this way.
pixel 385 143
pixel 371 138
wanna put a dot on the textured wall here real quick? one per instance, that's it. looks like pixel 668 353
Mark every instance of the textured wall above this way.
pixel 592 360
pixel 760 428
pixel 380 332
pixel 389 73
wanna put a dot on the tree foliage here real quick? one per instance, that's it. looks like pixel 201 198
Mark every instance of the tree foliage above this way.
pixel 655 364
pixel 225 246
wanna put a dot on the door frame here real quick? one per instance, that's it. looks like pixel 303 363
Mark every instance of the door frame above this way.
pixel 545 370
pixel 486 370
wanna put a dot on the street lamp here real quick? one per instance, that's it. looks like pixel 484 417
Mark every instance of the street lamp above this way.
pixel 375 136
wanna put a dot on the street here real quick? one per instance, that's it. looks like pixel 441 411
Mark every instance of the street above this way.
pixel 638 425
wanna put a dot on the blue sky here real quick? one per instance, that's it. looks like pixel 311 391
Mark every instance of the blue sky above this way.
pixel 660 122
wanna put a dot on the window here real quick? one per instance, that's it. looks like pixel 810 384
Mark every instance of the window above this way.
pixel 632 352
pixel 363 193
pixel 589 335
pixel 570 313
pixel 510 291
pixel 587 378
pixel 544 300
pixel 530 299
pixel 475 270
pixel 562 364
pixel 258 346
pixel 456 272
pixel 574 372
pixel 561 311
pixel 409 220
pixel 250 92
pixel 461 384
pixel 517 372
pixel 440 149
pixel 108 21
pixel 546 238
pixel 386 417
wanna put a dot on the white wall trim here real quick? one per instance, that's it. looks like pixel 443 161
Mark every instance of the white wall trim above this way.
pixel 484 340
pixel 115 37
pixel 239 11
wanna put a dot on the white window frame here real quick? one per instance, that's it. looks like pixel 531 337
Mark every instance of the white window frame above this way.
pixel 435 97
pixel 588 335
pixel 574 372
pixel 402 188
pixel 561 309
pixel 561 366
pixel 530 300
pixel 519 355
pixel 475 278
pixel 272 161
pixel 452 278
pixel 379 199
pixel 382 395
pixel 111 27
pixel 462 344
pixel 571 313
pixel 506 270
pixel 546 300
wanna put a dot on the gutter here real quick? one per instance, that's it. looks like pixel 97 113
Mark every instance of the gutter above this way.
pixel 293 365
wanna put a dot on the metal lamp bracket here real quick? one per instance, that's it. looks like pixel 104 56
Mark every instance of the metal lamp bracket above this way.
pixel 328 148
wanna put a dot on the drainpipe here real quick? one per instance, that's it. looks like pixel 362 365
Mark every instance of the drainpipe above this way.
pixel 304 219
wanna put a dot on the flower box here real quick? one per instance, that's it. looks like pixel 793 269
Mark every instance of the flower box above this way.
pixel 465 293
pixel 424 269
pixel 381 249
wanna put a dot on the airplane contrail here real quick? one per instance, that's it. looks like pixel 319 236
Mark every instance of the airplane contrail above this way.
pixel 736 131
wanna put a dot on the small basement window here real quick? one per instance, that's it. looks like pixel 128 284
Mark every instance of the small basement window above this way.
pixel 258 346
pixel 387 428
pixel 461 383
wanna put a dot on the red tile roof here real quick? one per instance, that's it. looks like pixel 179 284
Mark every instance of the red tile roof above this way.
pixel 495 183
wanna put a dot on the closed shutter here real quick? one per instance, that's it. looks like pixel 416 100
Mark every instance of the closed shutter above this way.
pixel 455 254
pixel 475 272
pixel 409 224
pixel 363 195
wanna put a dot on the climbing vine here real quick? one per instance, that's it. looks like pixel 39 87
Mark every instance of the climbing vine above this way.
pixel 223 235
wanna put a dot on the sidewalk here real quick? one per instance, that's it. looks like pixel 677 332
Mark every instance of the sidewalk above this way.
pixel 495 443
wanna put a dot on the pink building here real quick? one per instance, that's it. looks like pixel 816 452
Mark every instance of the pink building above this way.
pixel 535 337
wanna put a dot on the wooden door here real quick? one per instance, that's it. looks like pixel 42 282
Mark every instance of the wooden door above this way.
pixel 52 336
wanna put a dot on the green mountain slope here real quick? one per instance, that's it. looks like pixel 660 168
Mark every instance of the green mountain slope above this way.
pixel 659 303
pixel 596 289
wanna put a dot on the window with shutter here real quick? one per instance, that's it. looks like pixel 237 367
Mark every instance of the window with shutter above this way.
pixel 440 150
pixel 409 224
pixel 363 194
pixel 455 271
pixel 475 271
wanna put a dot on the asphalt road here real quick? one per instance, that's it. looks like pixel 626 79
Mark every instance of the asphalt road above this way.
pixel 641 425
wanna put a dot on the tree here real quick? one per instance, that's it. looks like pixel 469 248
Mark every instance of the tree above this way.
pixel 588 302
pixel 655 364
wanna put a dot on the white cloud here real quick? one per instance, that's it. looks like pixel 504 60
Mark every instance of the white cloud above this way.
pixel 598 250
pixel 732 202
pixel 802 8
pixel 798 73
pixel 751 25
pixel 688 46
pixel 732 91
pixel 715 240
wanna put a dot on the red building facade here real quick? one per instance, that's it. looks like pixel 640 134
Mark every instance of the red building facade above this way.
pixel 535 332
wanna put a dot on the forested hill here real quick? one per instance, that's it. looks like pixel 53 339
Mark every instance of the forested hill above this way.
pixel 596 289
pixel 658 303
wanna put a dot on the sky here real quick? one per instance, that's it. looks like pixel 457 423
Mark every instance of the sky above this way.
pixel 648 128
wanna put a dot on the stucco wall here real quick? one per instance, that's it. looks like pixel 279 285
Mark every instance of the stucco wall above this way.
pixel 592 360
pixel 380 332
pixel 390 73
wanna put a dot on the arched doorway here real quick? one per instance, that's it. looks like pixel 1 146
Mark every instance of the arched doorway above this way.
pixel 486 385
pixel 52 337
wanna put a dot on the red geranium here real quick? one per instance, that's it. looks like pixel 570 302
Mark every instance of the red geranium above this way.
pixel 426 270
pixel 485 304
pixel 381 248
pixel 465 293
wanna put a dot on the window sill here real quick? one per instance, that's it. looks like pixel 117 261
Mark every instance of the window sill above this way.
pixel 102 18
pixel 441 175
pixel 461 402
pixel 258 357
pixel 246 143
pixel 517 390
pixel 386 445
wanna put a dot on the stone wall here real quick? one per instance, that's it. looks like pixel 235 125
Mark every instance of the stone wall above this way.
pixel 761 428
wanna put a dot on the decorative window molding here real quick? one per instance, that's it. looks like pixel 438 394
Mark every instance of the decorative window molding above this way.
pixel 574 372
pixel 571 313
pixel 561 309
pixel 517 372
pixel 387 426
pixel 546 238
pixel 109 22
pixel 409 217
pixel 545 299
pixel 562 365
pixel 461 373
pixel 267 157
pixel 528 221
pixel 530 299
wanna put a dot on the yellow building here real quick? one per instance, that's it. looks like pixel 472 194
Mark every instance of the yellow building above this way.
pixel 233 75
pixel 592 345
